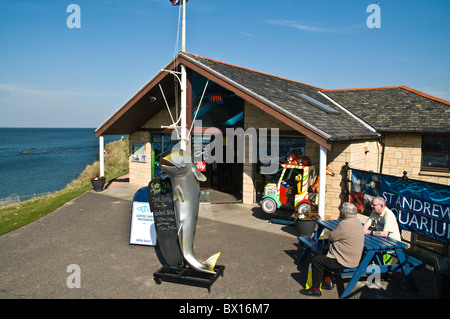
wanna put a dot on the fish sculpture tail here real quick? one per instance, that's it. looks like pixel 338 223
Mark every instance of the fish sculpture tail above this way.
pixel 210 263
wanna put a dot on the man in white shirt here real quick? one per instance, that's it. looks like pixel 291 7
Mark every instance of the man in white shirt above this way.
pixel 384 219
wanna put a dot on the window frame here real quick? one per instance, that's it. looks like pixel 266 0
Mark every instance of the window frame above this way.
pixel 424 152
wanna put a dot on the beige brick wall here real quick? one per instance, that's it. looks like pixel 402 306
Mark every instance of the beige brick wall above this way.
pixel 404 153
pixel 141 173
pixel 162 118
pixel 248 186
pixel 257 118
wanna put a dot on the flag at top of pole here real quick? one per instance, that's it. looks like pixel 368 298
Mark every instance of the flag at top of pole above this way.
pixel 177 2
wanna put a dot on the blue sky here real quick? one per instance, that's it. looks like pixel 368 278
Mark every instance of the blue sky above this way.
pixel 55 76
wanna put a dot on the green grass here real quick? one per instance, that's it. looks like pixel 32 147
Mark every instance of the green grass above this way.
pixel 17 215
pixel 20 214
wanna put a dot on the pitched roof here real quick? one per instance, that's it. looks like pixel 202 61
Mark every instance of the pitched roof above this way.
pixel 356 115
pixel 280 95
pixel 396 109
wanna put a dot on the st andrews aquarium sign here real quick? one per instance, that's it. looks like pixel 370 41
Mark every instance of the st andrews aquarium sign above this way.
pixel 421 207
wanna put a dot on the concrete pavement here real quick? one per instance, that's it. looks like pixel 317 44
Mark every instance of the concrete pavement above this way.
pixel 92 233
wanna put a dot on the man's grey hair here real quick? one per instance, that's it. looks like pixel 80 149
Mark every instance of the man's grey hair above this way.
pixel 381 200
pixel 349 210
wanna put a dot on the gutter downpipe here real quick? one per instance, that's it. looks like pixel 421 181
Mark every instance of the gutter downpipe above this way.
pixel 382 153
pixel 322 180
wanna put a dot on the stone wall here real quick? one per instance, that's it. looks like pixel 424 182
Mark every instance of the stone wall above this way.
pixel 404 153
pixel 141 173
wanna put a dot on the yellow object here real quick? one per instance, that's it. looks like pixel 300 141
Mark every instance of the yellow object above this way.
pixel 366 148
pixel 309 279
pixel 211 261
pixel 298 179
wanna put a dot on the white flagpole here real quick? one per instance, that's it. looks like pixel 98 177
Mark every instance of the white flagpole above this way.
pixel 183 142
pixel 183 28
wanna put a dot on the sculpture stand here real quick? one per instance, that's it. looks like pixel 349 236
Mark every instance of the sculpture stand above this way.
pixel 187 276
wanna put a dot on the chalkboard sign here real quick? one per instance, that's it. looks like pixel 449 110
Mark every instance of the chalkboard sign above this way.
pixel 160 198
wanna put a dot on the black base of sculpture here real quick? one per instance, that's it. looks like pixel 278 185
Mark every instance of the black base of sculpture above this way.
pixel 187 276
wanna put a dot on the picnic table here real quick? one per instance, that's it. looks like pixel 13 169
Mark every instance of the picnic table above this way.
pixel 371 261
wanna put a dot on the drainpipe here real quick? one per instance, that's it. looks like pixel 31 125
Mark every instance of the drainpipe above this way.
pixel 322 180
pixel 382 154
pixel 101 151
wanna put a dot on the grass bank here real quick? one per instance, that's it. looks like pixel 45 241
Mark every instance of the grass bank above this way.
pixel 20 214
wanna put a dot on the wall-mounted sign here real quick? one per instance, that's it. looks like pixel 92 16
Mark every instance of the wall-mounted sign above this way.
pixel 215 98
pixel 201 166
pixel 138 153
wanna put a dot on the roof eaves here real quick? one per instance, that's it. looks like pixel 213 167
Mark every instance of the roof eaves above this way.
pixel 425 95
pixel 414 131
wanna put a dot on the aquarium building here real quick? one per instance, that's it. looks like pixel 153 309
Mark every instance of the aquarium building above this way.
pixel 385 129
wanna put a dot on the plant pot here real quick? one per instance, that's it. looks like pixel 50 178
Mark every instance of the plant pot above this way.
pixel 98 184
pixel 305 227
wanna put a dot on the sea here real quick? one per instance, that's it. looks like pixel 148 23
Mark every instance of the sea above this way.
pixel 36 161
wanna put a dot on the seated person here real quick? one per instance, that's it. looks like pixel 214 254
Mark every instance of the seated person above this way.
pixel 384 220
pixel 345 250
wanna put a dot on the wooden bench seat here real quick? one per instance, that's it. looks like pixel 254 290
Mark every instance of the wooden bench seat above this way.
pixel 310 246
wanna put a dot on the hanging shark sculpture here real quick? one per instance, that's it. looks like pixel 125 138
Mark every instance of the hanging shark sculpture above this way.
pixel 185 178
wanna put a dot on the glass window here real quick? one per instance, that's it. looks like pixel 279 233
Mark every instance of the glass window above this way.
pixel 218 107
pixel 314 102
pixel 436 153
pixel 162 142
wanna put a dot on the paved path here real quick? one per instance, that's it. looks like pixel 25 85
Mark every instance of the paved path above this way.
pixel 92 231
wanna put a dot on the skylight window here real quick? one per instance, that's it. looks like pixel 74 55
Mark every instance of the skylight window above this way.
pixel 314 102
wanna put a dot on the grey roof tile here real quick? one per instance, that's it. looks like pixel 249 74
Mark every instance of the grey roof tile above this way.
pixel 396 109
pixel 341 126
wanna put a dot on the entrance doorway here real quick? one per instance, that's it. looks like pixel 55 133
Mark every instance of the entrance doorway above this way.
pixel 224 178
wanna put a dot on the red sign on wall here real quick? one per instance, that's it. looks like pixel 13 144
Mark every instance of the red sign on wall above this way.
pixel 215 98
pixel 201 166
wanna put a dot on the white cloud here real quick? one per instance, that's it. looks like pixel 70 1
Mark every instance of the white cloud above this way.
pixel 310 28
pixel 28 93
pixel 244 33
